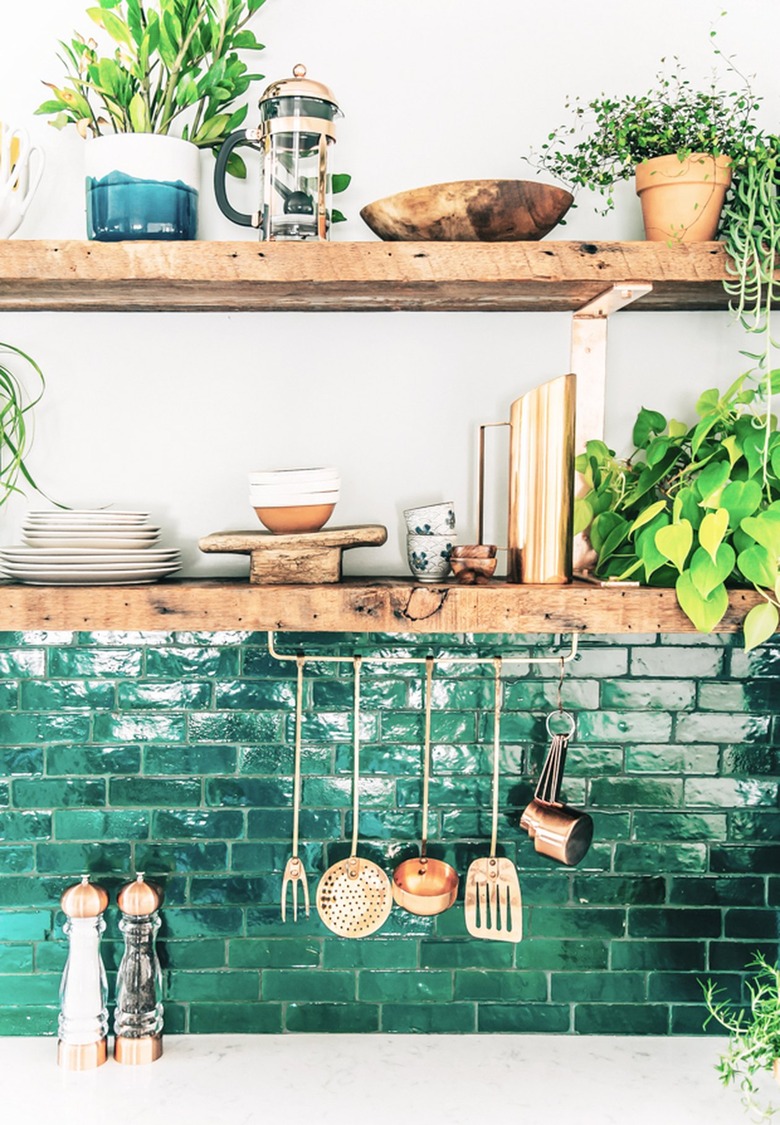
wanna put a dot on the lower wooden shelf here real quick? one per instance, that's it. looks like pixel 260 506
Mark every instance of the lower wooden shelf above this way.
pixel 381 605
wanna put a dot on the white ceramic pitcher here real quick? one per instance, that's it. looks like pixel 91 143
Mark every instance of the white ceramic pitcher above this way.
pixel 21 168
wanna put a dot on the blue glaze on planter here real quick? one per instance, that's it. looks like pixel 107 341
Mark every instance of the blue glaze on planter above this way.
pixel 121 207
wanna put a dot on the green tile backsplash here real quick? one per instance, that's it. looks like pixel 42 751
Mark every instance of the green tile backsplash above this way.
pixel 172 754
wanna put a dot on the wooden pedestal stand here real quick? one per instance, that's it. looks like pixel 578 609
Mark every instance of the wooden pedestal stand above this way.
pixel 311 558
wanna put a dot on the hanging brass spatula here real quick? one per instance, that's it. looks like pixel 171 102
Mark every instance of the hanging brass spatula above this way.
pixel 493 904
pixel 294 872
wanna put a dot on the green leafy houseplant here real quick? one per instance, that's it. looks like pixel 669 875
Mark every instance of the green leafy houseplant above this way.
pixel 15 406
pixel 694 507
pixel 754 1035
pixel 174 69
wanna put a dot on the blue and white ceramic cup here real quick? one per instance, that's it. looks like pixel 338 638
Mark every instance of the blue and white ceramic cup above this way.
pixel 432 519
pixel 429 556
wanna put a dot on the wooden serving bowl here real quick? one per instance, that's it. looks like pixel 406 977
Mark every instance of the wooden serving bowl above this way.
pixel 476 566
pixel 470 211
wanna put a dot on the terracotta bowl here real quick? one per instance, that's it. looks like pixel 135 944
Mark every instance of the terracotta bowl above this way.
pixel 470 211
pixel 295 519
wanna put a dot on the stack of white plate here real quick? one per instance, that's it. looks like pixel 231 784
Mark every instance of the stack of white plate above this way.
pixel 88 548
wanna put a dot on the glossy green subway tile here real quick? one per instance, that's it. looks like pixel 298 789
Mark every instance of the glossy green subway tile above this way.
pixel 489 984
pixel 722 695
pixel 621 1019
pixel 585 922
pixel 179 695
pixel 255 695
pixel 669 857
pixel 22 760
pixel 336 726
pixel 674 922
pixel 344 1018
pixel 222 985
pixel 746 923
pixel 29 890
pixel 15 859
pixel 202 922
pixel 728 890
pixel 151 791
pixel 81 663
pixel 68 760
pixel 730 792
pixel 607 890
pixel 554 954
pixel 197 824
pixel 235 1019
pixel 22 727
pixel 235 890
pixel 87 858
pixel 142 727
pixel 67 792
pixel 446 726
pixel 24 826
pixel 538 695
pixel 654 792
pixel 762 860
pixel 30 1020
pixel 179 663
pixel 265 921
pixel 269 855
pixel 686 956
pixel 300 985
pixel 38 637
pixel 122 638
pixel 581 761
pixel 276 953
pixel 229 792
pixel 523 1018
pixel 603 988
pixel 444 791
pixel 276 757
pixel 276 824
pixel 22 989
pixel 5 794
pixel 203 954
pixel 20 663
pixel 219 637
pixel 63 695
pixel 656 695
pixel 690 759
pixel 380 953
pixel 388 824
pixel 16 958
pixel 393 693
pixel 429 1019
pixel 762 662
pixel 691 1019
pixel 235 726
pixel 735 956
pixel 746 759
pixel 402 987
pixel 685 988
pixel 772 892
pixel 25 925
pixel 169 857
pixel 465 954
pixel 394 760
pixel 677 663
pixel 634 726
pixel 9 695
pixel 594 662
pixel 679 826
pixel 101 824
pixel 701 727
pixel 189 760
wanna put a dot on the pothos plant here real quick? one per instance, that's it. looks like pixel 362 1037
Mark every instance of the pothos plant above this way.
pixel 174 68
pixel 694 507
pixel 754 1035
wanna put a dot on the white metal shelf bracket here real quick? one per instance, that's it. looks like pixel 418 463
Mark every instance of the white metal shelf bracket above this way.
pixel 589 356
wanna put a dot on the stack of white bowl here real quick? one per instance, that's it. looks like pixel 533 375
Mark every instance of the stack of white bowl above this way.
pixel 430 539
pixel 294 501
pixel 88 547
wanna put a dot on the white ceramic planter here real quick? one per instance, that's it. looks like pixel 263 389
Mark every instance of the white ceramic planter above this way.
pixel 142 186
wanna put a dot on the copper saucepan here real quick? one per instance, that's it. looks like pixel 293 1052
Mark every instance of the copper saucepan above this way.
pixel 557 830
pixel 425 886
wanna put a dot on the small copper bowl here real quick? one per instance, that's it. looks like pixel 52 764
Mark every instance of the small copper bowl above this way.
pixel 425 886
pixel 558 831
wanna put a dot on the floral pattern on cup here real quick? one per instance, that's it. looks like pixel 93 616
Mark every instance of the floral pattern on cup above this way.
pixel 433 519
pixel 429 556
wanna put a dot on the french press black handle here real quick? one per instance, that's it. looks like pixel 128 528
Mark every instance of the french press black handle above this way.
pixel 241 136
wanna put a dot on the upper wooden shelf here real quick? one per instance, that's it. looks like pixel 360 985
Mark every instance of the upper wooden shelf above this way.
pixel 356 605
pixel 353 276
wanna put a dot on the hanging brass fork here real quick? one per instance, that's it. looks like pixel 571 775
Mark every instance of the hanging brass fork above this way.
pixel 294 872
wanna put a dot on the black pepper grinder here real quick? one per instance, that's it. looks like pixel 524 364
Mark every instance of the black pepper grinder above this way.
pixel 83 1022
pixel 138 1020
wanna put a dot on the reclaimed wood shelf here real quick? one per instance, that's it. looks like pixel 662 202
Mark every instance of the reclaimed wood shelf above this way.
pixel 390 605
pixel 545 276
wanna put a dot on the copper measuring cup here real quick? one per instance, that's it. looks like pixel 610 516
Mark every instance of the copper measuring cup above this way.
pixel 425 886
pixel 557 830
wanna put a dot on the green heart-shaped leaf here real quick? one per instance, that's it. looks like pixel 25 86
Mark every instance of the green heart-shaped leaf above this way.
pixel 760 624
pixel 712 479
pixel 645 545
pixel 707 573
pixel 647 515
pixel 758 566
pixel 740 499
pixel 765 529
pixel 674 542
pixel 705 613
pixel 713 528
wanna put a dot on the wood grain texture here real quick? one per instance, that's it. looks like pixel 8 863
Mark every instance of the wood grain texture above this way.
pixel 353 276
pixel 356 605
pixel 306 558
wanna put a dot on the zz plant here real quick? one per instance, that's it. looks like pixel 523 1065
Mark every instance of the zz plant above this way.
pixel 694 507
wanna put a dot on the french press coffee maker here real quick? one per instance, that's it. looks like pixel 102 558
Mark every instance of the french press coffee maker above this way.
pixel 295 132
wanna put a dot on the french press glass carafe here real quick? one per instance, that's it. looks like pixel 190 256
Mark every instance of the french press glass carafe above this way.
pixel 295 132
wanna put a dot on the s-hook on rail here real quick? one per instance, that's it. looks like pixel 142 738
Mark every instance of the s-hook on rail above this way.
pixel 295 657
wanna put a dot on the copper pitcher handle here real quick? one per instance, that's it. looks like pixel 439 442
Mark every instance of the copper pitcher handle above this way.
pixel 481 488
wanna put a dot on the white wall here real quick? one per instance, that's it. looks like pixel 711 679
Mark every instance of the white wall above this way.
pixel 170 411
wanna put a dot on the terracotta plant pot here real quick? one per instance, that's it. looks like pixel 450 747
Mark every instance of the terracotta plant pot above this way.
pixel 682 199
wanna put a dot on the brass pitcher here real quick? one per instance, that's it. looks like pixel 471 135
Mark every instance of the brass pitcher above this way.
pixel 541 483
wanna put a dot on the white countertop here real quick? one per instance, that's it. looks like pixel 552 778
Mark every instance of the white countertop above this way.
pixel 380 1080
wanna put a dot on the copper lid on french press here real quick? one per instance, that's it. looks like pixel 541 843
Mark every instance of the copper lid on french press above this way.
pixel 139 898
pixel 84 899
pixel 299 86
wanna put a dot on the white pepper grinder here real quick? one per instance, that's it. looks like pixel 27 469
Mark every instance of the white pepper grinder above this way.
pixel 138 1020
pixel 83 1022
